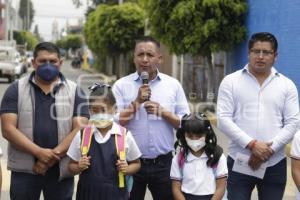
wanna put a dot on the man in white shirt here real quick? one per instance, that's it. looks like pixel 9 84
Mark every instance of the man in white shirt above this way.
pixel 258 111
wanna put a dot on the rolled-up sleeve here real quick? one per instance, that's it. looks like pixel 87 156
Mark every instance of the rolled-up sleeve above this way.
pixel 182 106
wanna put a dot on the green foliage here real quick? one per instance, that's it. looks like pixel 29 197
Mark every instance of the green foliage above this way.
pixel 25 37
pixel 112 30
pixel 201 26
pixel 111 2
pixel 71 41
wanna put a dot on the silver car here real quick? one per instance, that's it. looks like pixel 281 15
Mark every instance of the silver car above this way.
pixel 11 65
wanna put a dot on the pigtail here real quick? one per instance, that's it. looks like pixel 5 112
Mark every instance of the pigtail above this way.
pixel 212 150
pixel 180 142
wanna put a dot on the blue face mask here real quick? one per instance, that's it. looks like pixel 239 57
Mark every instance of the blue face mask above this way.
pixel 47 72
pixel 102 120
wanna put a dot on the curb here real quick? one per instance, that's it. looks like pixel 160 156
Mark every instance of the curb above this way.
pixel 106 78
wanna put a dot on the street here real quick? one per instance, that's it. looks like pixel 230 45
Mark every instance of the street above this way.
pixel 84 79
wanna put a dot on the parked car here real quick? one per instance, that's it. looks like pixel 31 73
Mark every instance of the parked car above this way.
pixel 62 52
pixel 29 58
pixel 11 63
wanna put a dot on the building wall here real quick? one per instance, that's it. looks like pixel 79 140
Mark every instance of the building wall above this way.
pixel 281 18
pixel 2 28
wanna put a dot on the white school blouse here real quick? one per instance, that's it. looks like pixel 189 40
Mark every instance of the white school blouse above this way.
pixel 196 177
pixel 131 148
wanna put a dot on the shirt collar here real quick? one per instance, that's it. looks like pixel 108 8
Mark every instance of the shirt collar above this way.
pixel 62 78
pixel 136 76
pixel 115 129
pixel 61 81
pixel 273 70
pixel 191 157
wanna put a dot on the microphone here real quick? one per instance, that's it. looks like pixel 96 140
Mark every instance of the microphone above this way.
pixel 145 80
pixel 145 77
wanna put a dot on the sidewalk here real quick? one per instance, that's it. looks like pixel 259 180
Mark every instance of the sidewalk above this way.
pixel 106 78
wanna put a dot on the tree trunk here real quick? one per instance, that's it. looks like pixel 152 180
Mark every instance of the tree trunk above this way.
pixel 210 95
pixel 109 65
pixel 120 66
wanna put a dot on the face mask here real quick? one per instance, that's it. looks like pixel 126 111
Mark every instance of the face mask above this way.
pixel 195 145
pixel 102 120
pixel 47 72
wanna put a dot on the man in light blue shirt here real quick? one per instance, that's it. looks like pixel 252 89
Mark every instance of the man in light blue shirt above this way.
pixel 151 110
pixel 258 110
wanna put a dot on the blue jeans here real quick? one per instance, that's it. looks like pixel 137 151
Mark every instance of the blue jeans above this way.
pixel 154 173
pixel 272 186
pixel 25 186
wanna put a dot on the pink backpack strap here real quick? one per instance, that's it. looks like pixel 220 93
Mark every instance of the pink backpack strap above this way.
pixel 86 138
pixel 120 140
pixel 181 161
pixel 181 158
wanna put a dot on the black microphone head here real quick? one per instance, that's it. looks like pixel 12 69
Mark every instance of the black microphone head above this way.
pixel 145 77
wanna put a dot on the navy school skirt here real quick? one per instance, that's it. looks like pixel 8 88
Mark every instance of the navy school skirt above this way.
pixel 197 197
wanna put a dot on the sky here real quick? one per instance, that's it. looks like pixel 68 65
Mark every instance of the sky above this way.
pixel 46 11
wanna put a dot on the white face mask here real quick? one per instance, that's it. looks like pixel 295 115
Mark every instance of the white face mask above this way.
pixel 102 120
pixel 195 145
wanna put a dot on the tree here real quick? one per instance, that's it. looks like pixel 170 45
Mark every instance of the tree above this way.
pixel 79 3
pixel 112 30
pixel 201 26
pixel 95 3
pixel 26 12
pixel 25 38
pixel 71 41
pixel 37 33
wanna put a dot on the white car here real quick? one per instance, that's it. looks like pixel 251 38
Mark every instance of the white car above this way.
pixel 11 65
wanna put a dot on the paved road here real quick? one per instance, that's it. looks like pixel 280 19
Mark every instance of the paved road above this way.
pixel 85 79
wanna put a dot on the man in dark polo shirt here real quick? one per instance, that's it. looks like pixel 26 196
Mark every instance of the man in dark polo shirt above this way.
pixel 40 114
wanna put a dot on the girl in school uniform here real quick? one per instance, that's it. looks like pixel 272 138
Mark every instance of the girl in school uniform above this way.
pixel 99 169
pixel 199 170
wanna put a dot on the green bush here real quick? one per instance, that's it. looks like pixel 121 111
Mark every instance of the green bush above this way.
pixel 112 30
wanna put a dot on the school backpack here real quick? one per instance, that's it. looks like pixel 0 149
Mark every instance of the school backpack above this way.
pixel 120 139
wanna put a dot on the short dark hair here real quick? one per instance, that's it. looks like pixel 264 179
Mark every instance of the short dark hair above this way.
pixel 263 37
pixel 46 46
pixel 147 38
pixel 102 90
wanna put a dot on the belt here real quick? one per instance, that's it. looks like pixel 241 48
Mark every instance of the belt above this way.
pixel 157 159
